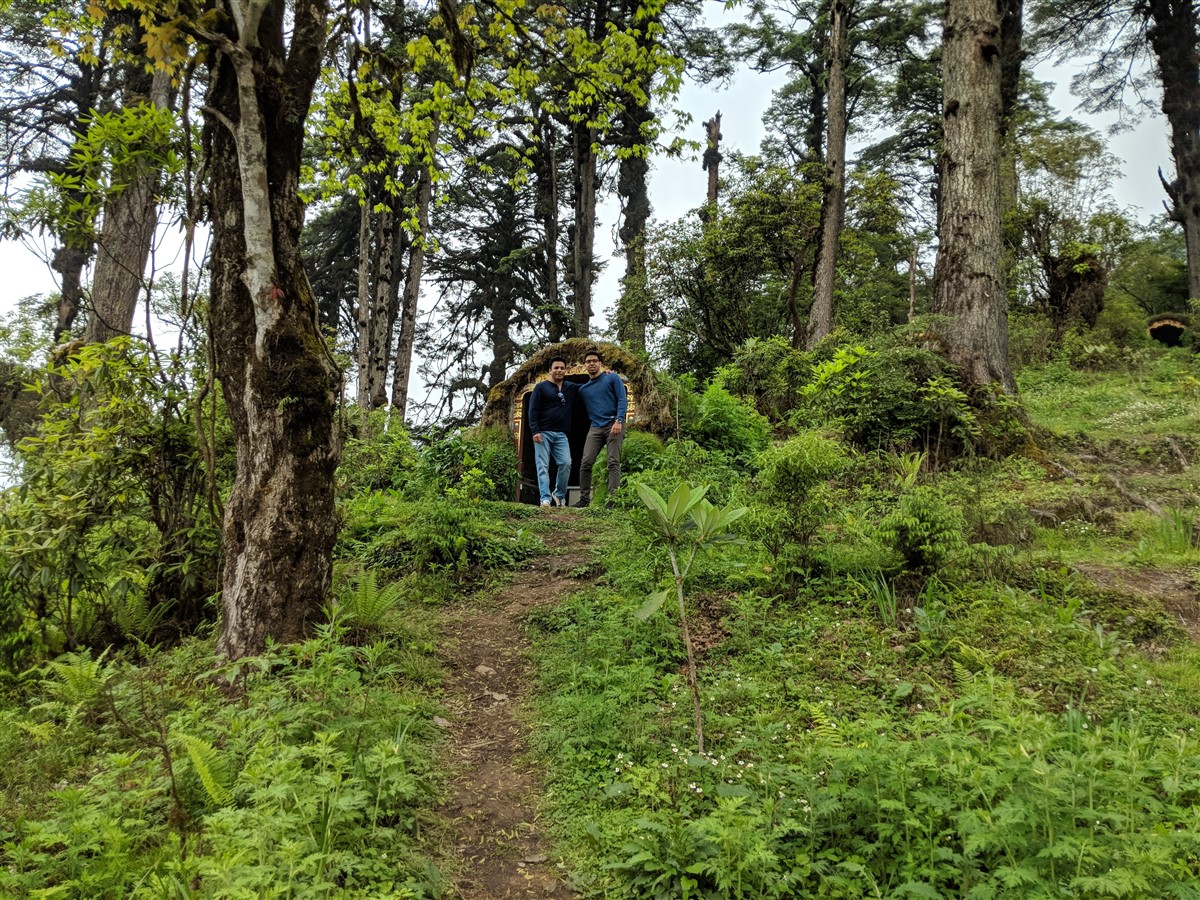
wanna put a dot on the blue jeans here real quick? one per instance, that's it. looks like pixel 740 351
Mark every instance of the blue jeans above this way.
pixel 553 442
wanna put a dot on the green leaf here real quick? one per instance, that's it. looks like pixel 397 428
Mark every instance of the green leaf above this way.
pixel 652 605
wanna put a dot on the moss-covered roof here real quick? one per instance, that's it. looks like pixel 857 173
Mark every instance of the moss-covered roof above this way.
pixel 654 408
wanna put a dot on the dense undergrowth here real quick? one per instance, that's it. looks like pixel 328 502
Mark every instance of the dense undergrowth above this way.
pixel 951 655
pixel 911 685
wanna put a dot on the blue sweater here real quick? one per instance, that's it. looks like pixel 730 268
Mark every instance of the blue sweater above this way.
pixel 605 399
pixel 550 410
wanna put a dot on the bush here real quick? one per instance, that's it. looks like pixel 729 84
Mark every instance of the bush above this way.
pixel 471 466
pixel 377 457
pixel 877 396
pixel 458 541
pixel 789 471
pixel 769 372
pixel 727 424
pixel 926 530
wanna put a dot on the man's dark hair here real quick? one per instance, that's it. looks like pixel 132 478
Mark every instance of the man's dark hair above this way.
pixel 592 351
pixel 555 359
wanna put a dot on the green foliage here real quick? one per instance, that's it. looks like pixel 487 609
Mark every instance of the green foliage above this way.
pixel 113 529
pixel 685 523
pixel 925 530
pixel 471 467
pixel 377 456
pixel 458 542
pixel 640 451
pixel 770 372
pixel 875 396
pixel 366 609
pixel 726 424
pixel 148 781
pixel 789 471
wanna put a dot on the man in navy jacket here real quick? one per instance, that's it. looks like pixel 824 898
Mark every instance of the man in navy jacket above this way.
pixel 550 408
pixel 606 401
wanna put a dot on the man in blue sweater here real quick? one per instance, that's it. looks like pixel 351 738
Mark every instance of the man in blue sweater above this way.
pixel 606 401
pixel 550 409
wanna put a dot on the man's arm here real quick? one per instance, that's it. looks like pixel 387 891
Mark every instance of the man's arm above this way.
pixel 534 425
pixel 622 403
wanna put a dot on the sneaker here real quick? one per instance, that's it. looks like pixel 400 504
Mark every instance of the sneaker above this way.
pixel 545 503
pixel 582 504
pixel 610 505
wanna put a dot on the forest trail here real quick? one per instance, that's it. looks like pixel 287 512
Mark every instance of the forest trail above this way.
pixel 491 806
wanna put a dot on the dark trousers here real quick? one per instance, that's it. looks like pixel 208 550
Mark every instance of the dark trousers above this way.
pixel 597 438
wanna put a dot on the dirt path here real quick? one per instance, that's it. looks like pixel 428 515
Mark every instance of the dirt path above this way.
pixel 491 806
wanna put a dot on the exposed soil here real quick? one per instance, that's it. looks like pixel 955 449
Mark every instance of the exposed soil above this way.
pixel 1176 591
pixel 492 804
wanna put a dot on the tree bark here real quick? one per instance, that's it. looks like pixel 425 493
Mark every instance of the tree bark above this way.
pixel 130 220
pixel 278 379
pixel 363 318
pixel 545 167
pixel 968 277
pixel 583 263
pixel 1174 36
pixel 633 313
pixel 712 162
pixel 412 287
pixel 386 303
pixel 833 200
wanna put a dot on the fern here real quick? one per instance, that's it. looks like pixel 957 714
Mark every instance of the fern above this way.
pixel 820 724
pixel 211 767
pixel 369 607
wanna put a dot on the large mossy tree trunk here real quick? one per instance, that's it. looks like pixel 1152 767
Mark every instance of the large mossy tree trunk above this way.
pixel 968 277
pixel 277 377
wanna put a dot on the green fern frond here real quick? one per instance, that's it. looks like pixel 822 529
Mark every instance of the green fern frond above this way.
pixel 820 723
pixel 78 679
pixel 369 607
pixel 211 767
pixel 964 678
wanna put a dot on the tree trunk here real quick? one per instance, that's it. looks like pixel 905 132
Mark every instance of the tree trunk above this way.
pixel 386 303
pixel 363 319
pixel 545 167
pixel 279 382
pixel 584 233
pixel 68 262
pixel 412 288
pixel 833 200
pixel 1174 36
pixel 968 278
pixel 633 313
pixel 712 164
pixel 130 220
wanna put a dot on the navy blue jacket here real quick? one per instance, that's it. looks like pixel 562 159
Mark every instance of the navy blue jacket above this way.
pixel 551 409
pixel 605 398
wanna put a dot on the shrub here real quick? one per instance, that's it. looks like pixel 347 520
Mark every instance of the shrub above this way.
pixel 790 470
pixel 769 372
pixel 877 396
pixel 377 457
pixel 926 530
pixel 457 540
pixel 727 424
pixel 471 466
